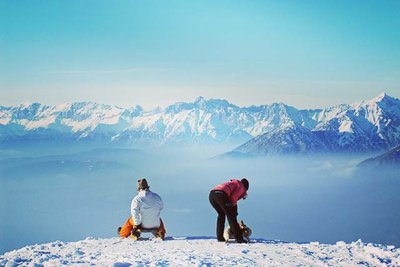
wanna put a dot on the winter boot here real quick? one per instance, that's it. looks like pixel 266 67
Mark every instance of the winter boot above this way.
pixel 158 234
pixel 135 234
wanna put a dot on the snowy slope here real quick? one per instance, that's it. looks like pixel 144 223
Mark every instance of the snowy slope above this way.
pixel 200 252
pixel 388 159
pixel 365 126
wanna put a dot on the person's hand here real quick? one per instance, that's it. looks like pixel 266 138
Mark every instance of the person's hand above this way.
pixel 136 227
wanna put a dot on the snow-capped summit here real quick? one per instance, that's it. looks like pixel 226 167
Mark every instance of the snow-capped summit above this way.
pixel 380 97
pixel 200 101
pixel 383 97
pixel 383 100
pixel 201 104
pixel 363 126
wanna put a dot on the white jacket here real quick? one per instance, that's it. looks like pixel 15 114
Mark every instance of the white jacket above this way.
pixel 145 209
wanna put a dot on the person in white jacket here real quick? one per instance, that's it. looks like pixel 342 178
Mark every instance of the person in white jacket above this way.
pixel 145 214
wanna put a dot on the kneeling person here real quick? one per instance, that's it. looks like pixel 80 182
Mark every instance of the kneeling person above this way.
pixel 145 214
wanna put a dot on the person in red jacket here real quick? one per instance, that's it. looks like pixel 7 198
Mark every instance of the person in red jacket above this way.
pixel 224 198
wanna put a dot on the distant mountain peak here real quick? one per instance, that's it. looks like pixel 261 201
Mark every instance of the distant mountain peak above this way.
pixel 28 104
pixel 25 104
pixel 383 97
pixel 381 100
pixel 200 99
pixel 200 102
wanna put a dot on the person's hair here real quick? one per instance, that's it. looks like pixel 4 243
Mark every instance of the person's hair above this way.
pixel 142 184
pixel 245 183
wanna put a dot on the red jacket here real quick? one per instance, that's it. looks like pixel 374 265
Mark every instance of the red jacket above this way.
pixel 234 189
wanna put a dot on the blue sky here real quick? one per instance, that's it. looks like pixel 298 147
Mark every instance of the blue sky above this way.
pixel 154 53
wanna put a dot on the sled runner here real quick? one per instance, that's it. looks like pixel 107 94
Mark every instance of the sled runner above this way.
pixel 128 230
pixel 157 232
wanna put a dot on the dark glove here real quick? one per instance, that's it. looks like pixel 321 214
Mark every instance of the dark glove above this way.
pixel 136 227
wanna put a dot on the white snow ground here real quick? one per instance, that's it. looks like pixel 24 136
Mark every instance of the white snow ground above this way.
pixel 200 251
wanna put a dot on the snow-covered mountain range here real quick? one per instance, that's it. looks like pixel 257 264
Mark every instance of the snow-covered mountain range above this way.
pixel 197 122
pixel 277 128
pixel 372 125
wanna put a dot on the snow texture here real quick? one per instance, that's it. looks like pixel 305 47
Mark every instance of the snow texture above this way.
pixel 200 251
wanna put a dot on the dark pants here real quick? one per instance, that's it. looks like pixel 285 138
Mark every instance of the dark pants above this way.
pixel 221 203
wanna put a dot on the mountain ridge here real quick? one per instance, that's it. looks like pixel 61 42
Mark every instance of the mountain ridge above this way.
pixel 372 125
pixel 390 159
pixel 363 126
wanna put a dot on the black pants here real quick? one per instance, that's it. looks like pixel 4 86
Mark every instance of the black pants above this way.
pixel 221 203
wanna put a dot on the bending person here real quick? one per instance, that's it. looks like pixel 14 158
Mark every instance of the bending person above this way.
pixel 224 199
